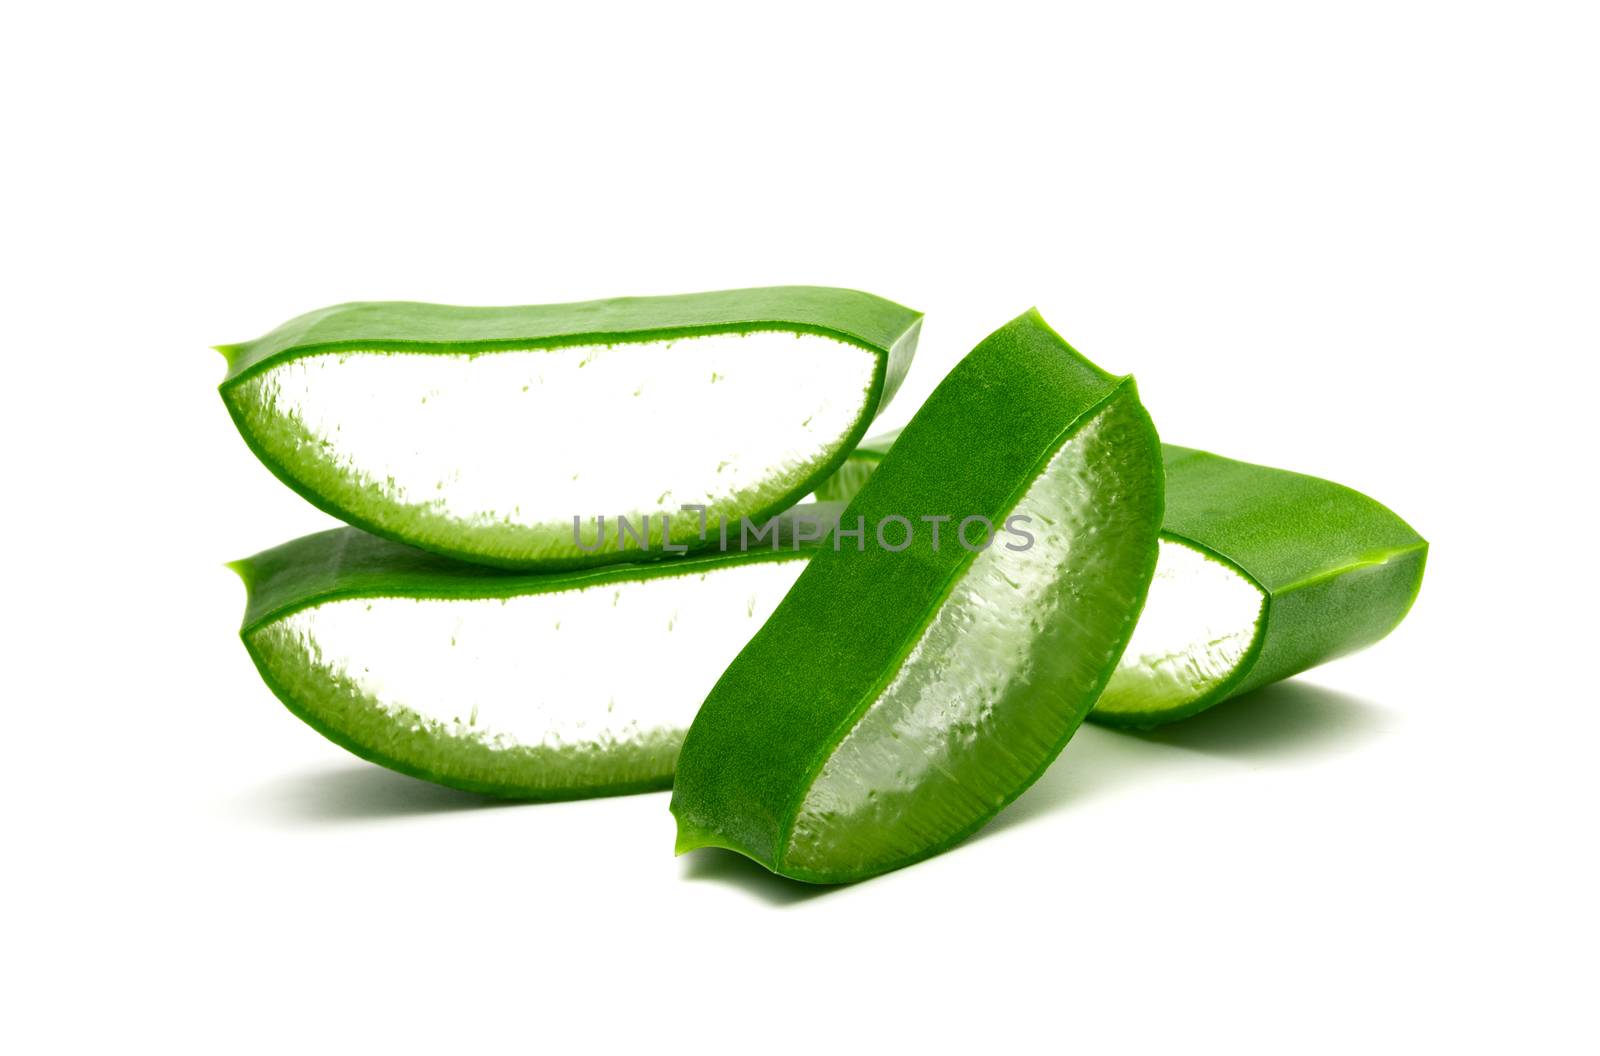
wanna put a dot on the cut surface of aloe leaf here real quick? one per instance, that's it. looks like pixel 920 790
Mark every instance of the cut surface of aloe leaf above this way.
pixel 482 433
pixel 900 696
pixel 527 685
pixel 1263 574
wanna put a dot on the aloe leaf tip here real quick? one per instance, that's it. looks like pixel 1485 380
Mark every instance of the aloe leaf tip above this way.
pixel 692 837
pixel 245 570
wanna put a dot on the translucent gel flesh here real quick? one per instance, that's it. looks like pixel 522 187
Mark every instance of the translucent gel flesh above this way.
pixel 495 453
pixel 565 690
pixel 1003 672
pixel 1198 624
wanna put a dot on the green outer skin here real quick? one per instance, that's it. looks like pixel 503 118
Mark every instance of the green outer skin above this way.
pixel 805 679
pixel 350 563
pixel 882 327
pixel 1338 569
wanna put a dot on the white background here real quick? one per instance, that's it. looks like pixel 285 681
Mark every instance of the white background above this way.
pixel 1359 243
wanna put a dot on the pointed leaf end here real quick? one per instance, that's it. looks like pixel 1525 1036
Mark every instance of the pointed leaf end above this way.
pixel 245 570
pixel 229 353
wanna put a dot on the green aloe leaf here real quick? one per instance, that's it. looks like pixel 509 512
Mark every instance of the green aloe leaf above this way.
pixel 1263 574
pixel 528 685
pixel 897 699
pixel 483 433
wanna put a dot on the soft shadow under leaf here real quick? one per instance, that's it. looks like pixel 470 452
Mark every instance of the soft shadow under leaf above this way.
pixel 1285 718
pixel 358 793
pixel 735 870
pixel 1278 722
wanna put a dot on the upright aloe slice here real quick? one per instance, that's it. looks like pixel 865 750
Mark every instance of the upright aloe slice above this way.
pixel 483 433
pixel 543 686
pixel 1263 574
pixel 897 699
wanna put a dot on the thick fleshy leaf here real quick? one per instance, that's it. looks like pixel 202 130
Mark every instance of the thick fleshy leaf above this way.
pixel 1264 573
pixel 530 685
pixel 903 693
pixel 503 435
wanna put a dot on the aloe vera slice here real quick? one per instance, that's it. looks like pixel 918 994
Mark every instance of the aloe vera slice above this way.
pixel 483 433
pixel 1263 574
pixel 527 685
pixel 897 699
